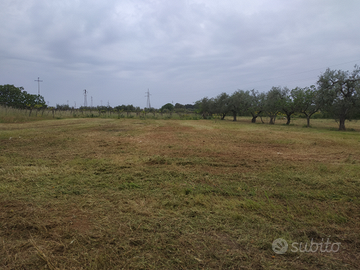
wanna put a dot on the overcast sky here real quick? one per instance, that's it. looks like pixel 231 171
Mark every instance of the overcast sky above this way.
pixel 180 50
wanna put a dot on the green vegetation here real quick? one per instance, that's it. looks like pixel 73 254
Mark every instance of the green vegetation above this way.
pixel 16 97
pixel 337 96
pixel 142 193
pixel 168 106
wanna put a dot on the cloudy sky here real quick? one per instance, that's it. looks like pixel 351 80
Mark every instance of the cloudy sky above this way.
pixel 180 50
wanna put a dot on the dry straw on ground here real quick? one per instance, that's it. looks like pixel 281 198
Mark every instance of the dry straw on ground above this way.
pixel 171 194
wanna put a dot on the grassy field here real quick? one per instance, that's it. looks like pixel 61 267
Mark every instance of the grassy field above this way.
pixel 91 193
pixel 13 115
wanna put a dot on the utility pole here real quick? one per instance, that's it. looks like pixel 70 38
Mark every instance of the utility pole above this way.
pixel 148 105
pixel 39 81
pixel 91 102
pixel 85 98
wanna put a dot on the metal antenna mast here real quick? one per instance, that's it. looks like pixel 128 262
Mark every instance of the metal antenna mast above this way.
pixel 148 105
pixel 39 81
pixel 85 98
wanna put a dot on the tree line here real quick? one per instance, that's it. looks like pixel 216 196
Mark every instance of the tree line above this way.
pixel 337 94
pixel 16 97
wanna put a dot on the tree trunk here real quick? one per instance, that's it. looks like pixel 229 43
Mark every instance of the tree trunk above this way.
pixel 223 116
pixel 234 114
pixel 288 119
pixel 272 120
pixel 308 121
pixel 253 120
pixel 342 124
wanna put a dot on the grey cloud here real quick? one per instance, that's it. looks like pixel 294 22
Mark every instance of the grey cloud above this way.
pixel 182 50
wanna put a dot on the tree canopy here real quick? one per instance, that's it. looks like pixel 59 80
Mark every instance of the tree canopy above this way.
pixel 340 92
pixel 167 106
pixel 337 94
pixel 16 97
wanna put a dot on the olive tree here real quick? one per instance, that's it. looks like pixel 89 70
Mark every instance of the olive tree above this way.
pixel 256 104
pixel 205 106
pixel 272 104
pixel 239 103
pixel 221 105
pixel 287 104
pixel 307 101
pixel 340 92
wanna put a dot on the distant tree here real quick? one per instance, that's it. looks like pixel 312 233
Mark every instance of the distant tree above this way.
pixel 12 96
pixel 124 108
pixel 256 104
pixel 340 92
pixel 16 97
pixel 152 110
pixel 239 103
pixel 119 109
pixel 179 106
pixel 137 110
pixel 34 102
pixel 129 109
pixel 179 109
pixel 307 101
pixel 190 107
pixel 102 110
pixel 287 104
pixel 167 106
pixel 272 104
pixel 205 106
pixel 221 105
pixel 63 107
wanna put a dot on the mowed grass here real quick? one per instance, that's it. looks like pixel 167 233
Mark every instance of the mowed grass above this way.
pixel 176 194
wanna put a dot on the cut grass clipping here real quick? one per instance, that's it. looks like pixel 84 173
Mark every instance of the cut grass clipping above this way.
pixel 171 194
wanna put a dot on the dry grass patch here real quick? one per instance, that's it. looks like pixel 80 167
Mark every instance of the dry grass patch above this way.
pixel 165 194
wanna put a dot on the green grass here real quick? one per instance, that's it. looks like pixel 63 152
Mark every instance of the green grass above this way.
pixel 12 115
pixel 94 193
